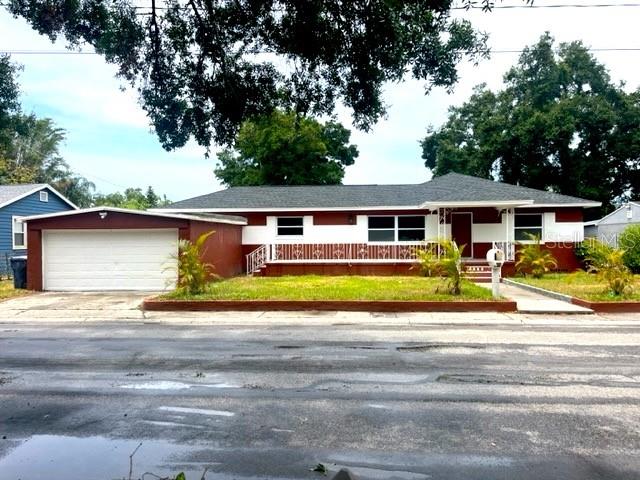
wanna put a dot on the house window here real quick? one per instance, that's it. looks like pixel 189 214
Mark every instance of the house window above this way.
pixel 290 226
pixel 401 229
pixel 382 229
pixel 411 229
pixel 44 196
pixel 18 233
pixel 527 225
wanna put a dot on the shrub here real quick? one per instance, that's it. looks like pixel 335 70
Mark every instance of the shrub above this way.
pixel 534 260
pixel 592 252
pixel 612 270
pixel 629 241
pixel 443 259
pixel 193 273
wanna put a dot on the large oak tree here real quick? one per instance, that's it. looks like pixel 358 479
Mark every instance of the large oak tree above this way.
pixel 202 67
pixel 560 124
pixel 285 149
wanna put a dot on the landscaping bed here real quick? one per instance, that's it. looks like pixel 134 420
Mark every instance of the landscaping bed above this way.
pixel 7 291
pixel 587 290
pixel 352 293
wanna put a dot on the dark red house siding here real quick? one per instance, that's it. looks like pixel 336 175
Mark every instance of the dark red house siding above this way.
pixel 223 249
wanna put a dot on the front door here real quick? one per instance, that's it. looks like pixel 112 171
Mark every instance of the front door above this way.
pixel 461 231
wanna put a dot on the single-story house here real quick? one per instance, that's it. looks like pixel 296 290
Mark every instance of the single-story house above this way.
pixel 609 227
pixel 17 202
pixel 376 229
pixel 337 229
pixel 106 248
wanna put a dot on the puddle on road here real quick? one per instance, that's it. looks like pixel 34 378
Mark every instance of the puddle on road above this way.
pixel 167 385
pixel 47 457
pixel 198 411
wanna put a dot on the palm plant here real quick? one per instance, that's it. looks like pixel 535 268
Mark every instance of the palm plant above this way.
pixel 443 259
pixel 193 273
pixel 609 265
pixel 534 260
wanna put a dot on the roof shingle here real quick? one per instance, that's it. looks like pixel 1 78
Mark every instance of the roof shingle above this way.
pixel 452 187
pixel 10 192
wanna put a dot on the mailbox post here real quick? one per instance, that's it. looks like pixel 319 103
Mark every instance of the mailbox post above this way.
pixel 495 259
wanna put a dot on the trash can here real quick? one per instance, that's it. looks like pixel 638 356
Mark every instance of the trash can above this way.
pixel 19 267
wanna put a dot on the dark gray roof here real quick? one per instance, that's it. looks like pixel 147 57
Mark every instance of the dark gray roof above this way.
pixel 11 192
pixel 452 187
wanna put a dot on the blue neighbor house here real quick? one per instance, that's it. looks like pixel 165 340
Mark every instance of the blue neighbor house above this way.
pixel 16 202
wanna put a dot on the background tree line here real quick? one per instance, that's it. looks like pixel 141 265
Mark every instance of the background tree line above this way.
pixel 559 124
pixel 30 153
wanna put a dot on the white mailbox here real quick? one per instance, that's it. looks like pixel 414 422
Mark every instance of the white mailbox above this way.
pixel 495 259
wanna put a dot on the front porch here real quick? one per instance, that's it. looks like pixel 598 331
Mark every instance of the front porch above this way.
pixel 391 242
pixel 355 258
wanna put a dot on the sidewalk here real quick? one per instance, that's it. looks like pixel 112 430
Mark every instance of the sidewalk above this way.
pixel 531 302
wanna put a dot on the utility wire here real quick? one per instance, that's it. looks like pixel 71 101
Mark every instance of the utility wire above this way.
pixel 72 52
pixel 473 7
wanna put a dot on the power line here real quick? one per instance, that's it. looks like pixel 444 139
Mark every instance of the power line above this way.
pixel 558 5
pixel 72 52
pixel 466 7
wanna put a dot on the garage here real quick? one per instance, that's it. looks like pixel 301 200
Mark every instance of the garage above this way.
pixel 113 249
pixel 109 259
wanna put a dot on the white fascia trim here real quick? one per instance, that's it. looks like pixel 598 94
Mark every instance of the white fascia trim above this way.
pixel 278 210
pixel 621 207
pixel 559 205
pixel 500 203
pixel 37 189
pixel 231 221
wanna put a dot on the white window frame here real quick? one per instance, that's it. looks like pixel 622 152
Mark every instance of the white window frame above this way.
pixel 14 232
pixel 541 215
pixel 44 196
pixel 278 235
pixel 396 229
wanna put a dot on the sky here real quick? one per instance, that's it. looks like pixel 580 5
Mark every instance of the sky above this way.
pixel 109 140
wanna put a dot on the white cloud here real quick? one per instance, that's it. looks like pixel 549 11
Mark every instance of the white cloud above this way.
pixel 85 96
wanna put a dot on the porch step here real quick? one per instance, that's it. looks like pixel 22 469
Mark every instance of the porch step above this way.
pixel 477 272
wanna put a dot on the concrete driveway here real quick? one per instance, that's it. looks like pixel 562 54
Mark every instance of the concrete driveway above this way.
pixel 75 306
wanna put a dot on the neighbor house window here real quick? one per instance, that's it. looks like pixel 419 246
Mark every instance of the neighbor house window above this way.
pixel 19 233
pixel 528 225
pixel 290 226
pixel 400 228
pixel 44 196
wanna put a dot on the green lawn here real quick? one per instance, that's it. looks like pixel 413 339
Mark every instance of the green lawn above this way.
pixel 581 285
pixel 316 287
pixel 7 291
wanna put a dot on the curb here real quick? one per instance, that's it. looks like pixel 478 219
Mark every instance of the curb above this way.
pixel 345 306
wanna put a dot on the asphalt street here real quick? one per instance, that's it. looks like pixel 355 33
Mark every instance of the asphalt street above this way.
pixel 386 399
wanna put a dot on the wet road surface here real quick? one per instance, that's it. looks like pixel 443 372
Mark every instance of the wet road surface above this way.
pixel 463 401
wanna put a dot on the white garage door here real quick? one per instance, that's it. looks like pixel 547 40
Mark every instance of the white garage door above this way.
pixel 86 260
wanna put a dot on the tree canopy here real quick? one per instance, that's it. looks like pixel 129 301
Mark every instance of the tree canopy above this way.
pixel 285 149
pixel 202 67
pixel 133 198
pixel 559 124
pixel 30 153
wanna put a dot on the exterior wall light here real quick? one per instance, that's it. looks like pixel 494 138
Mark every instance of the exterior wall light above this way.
pixel 103 215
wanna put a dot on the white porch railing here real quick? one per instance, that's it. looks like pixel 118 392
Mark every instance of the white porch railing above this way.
pixel 257 259
pixel 509 249
pixel 346 253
